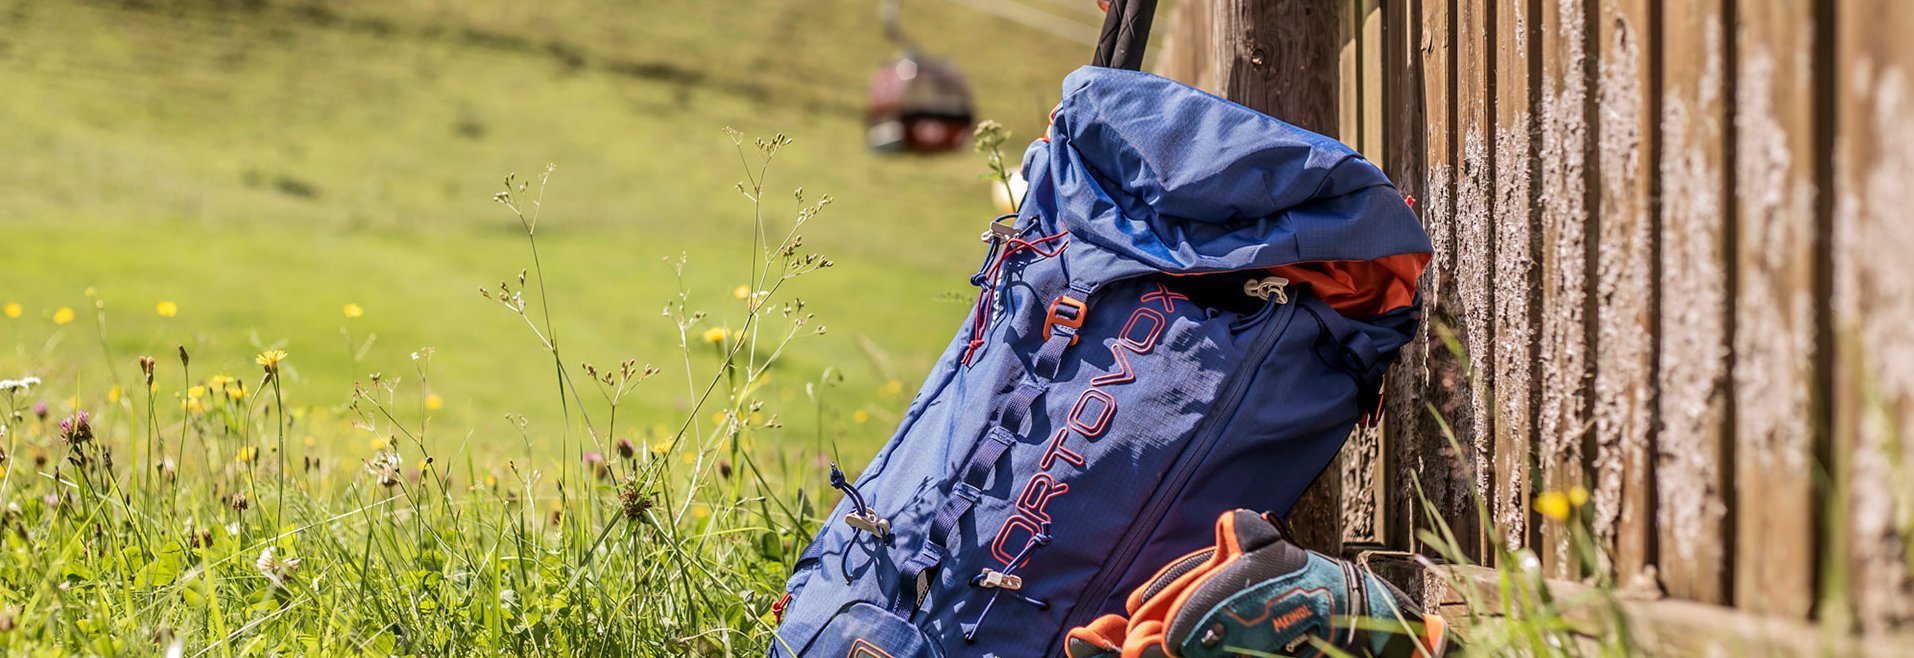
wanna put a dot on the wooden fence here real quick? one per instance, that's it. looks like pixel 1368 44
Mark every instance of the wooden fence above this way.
pixel 1674 251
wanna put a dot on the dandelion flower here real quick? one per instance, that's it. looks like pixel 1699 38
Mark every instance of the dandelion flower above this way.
pixel 63 316
pixel 1553 504
pixel 715 335
pixel 194 405
pixel 196 392
pixel 235 392
pixel 246 455
pixel 352 311
pixel 270 359
pixel 433 402
pixel 167 309
pixel 1577 496
pixel 741 292
pixel 11 310
pixel 221 381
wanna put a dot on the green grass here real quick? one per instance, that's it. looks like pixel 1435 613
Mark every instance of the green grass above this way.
pixel 261 164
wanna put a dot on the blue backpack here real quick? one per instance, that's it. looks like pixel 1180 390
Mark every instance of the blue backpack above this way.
pixel 1190 313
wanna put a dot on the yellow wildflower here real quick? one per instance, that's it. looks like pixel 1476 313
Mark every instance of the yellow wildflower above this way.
pixel 860 416
pixel 433 402
pixel 353 311
pixel 196 392
pixel 63 316
pixel 378 443
pixel 246 454
pixel 194 405
pixel 166 309
pixel 270 359
pixel 700 511
pixel 1553 504
pixel 113 394
pixel 235 392
pixel 660 446
pixel 221 381
pixel 741 292
pixel 715 335
pixel 1577 496
pixel 892 387
pixel 91 292
pixel 12 309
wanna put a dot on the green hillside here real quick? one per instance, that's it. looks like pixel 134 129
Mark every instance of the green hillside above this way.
pixel 261 164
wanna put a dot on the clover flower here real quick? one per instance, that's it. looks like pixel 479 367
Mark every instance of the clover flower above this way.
pixel 274 568
pixel 77 428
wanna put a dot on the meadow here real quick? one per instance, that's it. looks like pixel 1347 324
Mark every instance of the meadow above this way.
pixel 291 363
pixel 261 165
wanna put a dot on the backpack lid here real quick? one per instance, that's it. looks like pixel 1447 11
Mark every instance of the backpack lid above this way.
pixel 1169 178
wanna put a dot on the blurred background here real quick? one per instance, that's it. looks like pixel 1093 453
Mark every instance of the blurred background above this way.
pixel 239 175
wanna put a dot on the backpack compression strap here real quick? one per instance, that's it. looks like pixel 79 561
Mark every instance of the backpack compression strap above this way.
pixel 914 575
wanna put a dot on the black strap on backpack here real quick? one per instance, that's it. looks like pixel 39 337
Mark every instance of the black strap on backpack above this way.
pixel 1126 31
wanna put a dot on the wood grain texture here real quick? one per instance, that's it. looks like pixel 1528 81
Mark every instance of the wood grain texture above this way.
pixel 1627 275
pixel 1405 142
pixel 1280 58
pixel 1475 233
pixel 1514 278
pixel 1775 308
pixel 1445 474
pixel 1873 291
pixel 1694 456
pixel 1186 53
pixel 1565 368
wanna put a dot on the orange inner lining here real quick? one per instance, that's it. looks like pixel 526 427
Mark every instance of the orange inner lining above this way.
pixel 1360 288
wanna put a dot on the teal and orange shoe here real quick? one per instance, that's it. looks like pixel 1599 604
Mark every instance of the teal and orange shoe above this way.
pixel 1257 593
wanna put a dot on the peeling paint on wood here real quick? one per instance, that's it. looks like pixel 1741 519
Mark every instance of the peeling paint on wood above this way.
pixel 1690 477
pixel 1625 294
pixel 1564 367
pixel 1873 301
pixel 1775 317
pixel 1514 283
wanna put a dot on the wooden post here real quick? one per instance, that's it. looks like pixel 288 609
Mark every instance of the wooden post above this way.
pixel 1280 58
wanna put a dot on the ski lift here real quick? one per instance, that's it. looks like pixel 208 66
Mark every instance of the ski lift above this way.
pixel 918 104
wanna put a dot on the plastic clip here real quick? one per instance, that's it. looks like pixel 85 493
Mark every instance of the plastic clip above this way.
pixel 1073 320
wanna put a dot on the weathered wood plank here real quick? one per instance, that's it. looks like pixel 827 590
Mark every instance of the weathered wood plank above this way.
pixel 1405 141
pixel 1659 627
pixel 1446 476
pixel 1369 71
pixel 1565 370
pixel 1187 53
pixel 1516 294
pixel 1873 290
pixel 1362 455
pixel 1280 58
pixel 1775 308
pixel 1475 235
pixel 1627 277
pixel 1693 454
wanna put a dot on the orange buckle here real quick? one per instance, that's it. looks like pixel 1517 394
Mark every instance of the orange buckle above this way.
pixel 1074 321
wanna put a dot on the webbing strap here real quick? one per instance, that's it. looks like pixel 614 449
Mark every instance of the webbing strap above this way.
pixel 976 471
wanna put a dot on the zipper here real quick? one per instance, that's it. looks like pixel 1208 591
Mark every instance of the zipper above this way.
pixel 1207 434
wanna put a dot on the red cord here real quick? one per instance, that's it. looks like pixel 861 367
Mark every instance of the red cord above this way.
pixel 987 296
